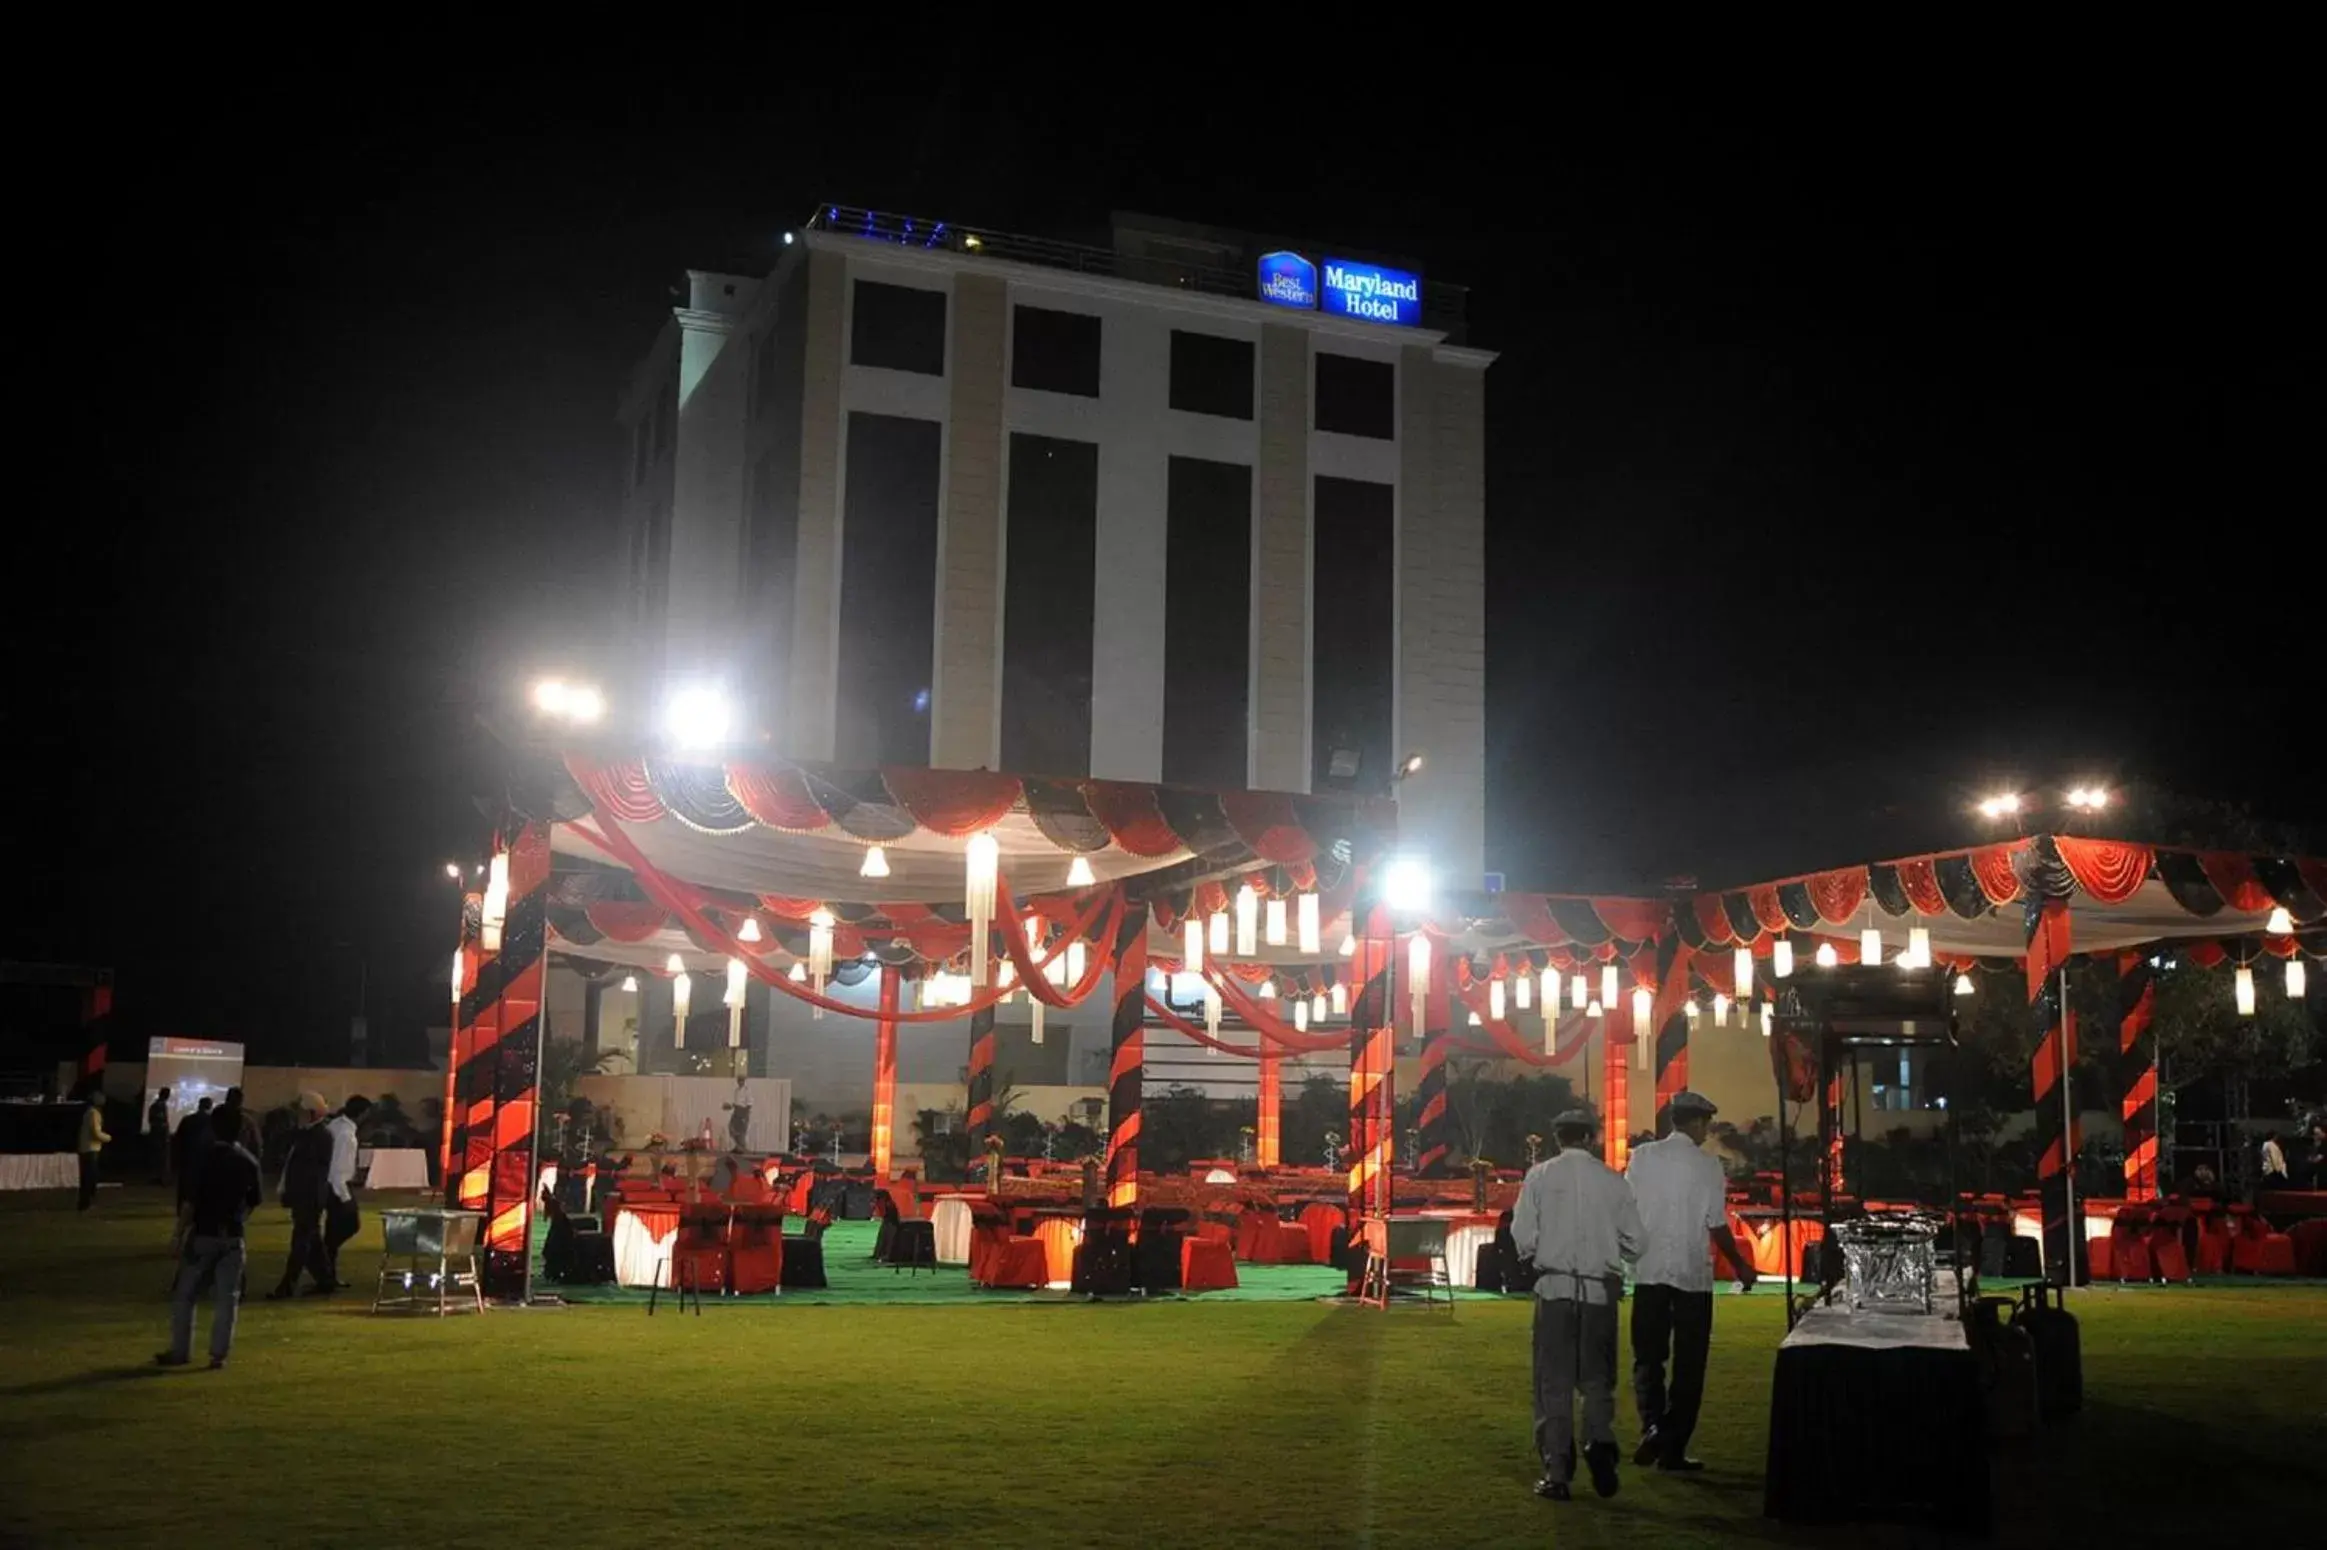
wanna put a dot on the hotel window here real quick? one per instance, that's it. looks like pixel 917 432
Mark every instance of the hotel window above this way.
pixel 1046 625
pixel 771 548
pixel 1207 644
pixel 1056 352
pixel 1357 398
pixel 888 591
pixel 1211 375
pixel 898 327
pixel 1356 525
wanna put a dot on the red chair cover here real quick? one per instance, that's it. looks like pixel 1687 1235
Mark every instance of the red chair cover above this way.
pixel 2101 1258
pixel 1206 1265
pixel 1323 1224
pixel 1057 1236
pixel 2166 1256
pixel 1019 1264
pixel 756 1258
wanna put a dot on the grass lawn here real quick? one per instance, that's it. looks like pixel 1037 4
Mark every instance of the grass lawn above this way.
pixel 1173 1424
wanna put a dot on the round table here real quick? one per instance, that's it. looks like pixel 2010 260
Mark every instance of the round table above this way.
pixel 951 1218
pixel 643 1239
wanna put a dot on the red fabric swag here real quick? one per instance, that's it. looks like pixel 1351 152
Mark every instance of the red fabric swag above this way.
pixel 954 803
pixel 2109 871
pixel 2232 875
pixel 1992 866
pixel 1837 895
pixel 1920 879
pixel 1131 816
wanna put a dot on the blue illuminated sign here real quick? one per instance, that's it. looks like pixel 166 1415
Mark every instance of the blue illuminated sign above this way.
pixel 1372 293
pixel 1288 280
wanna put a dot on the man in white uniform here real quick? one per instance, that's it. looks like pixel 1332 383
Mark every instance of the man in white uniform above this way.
pixel 1575 1222
pixel 1683 1197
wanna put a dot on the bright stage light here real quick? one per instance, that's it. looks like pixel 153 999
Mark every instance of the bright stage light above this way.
pixel 2088 799
pixel 452 869
pixel 2003 805
pixel 580 704
pixel 698 717
pixel 1406 885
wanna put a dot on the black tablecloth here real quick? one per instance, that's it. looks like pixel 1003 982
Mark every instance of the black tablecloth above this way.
pixel 1877 1432
pixel 804 1262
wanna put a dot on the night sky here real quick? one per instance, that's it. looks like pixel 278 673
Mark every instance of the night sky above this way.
pixel 1849 451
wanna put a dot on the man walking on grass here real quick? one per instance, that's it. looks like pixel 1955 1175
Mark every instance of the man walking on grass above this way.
pixel 306 1193
pixel 226 1191
pixel 92 1143
pixel 340 1217
pixel 1683 1199
pixel 1575 1221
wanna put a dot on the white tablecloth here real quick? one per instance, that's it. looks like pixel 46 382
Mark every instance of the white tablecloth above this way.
pixel 1462 1254
pixel 641 1254
pixel 951 1220
pixel 39 1170
pixel 395 1167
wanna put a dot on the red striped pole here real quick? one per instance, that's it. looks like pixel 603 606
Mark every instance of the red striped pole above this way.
pixel 981 1108
pixel 1616 1056
pixel 1267 1128
pixel 2137 1066
pixel 452 1137
pixel 1128 1057
pixel 1370 1044
pixel 885 1075
pixel 497 1170
pixel 2056 1145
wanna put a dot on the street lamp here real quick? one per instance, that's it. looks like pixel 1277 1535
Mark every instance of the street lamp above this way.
pixel 2003 805
pixel 577 704
pixel 698 717
pixel 1406 885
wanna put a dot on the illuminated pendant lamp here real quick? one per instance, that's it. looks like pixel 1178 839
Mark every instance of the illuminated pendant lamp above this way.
pixel 798 975
pixel 1691 1010
pixel 1247 921
pixel 1340 999
pixel 1826 956
pixel 460 976
pixel 1608 985
pixel 1078 961
pixel 679 999
pixel 1495 998
pixel 1300 1014
pixel 1781 958
pixel 1268 990
pixel 2281 923
pixel 1192 945
pixel 1768 1018
pixel 1034 1020
pixel 984 869
pixel 495 907
pixel 2297 983
pixel 1919 945
pixel 2245 991
pixel 1523 989
pixel 1593 1009
pixel 1643 1041
pixel 1307 931
pixel 1579 991
pixel 1549 985
pixel 1272 921
pixel 820 924
pixel 1418 978
pixel 630 984
pixel 1317 1007
pixel 1643 1005
pixel 1720 1010
pixel 1212 1010
pixel 734 999
pixel 1216 934
pixel 1079 873
pixel 1348 944
pixel 1964 986
pixel 1870 947
pixel 1472 1019
pixel 875 863
pixel 1741 971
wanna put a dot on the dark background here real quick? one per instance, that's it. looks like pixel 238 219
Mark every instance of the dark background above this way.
pixel 1853 447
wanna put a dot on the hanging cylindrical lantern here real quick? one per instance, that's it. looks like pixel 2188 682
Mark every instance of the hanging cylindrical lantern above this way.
pixel 1643 1005
pixel 1079 873
pixel 1306 927
pixel 1579 991
pixel 1301 1014
pixel 1523 990
pixel 1340 999
pixel 1870 947
pixel 1827 956
pixel 1741 972
pixel 1272 916
pixel 494 909
pixel 1216 934
pixel 875 863
pixel 2297 983
pixel 983 872
pixel 1034 1020
pixel 1495 998
pixel 1212 1009
pixel 1551 1027
pixel 2245 991
pixel 1247 921
pixel 1192 945
pixel 735 983
pixel 1781 958
pixel 1608 984
pixel 820 924
pixel 1418 978
pixel 1643 1037
pixel 679 999
pixel 1317 1007
pixel 1691 1010
pixel 1078 960
pixel 460 974
pixel 1768 1018
pixel 1720 1010
pixel 1919 946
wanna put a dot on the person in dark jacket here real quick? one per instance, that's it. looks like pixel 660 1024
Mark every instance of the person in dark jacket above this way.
pixel 226 1191
pixel 187 1148
pixel 157 1137
pixel 305 1192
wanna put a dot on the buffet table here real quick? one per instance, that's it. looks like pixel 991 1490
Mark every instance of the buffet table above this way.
pixel 39 1170
pixel 1877 1417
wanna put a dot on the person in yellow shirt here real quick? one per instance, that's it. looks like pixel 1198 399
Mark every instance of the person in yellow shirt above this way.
pixel 94 1135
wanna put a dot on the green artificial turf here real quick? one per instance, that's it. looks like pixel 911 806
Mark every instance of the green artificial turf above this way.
pixel 1181 1423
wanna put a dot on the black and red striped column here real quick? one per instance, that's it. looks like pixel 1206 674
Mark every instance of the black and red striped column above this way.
pixel 981 1106
pixel 1433 1125
pixel 2055 1029
pixel 497 1083
pixel 1371 1045
pixel 1127 1056
pixel 2137 1072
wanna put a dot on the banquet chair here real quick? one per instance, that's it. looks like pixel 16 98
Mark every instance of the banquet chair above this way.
pixel 756 1256
pixel 749 1189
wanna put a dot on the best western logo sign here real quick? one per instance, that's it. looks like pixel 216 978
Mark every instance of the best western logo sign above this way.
pixel 1289 280
pixel 1351 290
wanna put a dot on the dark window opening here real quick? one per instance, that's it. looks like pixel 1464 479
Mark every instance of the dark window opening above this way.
pixel 1057 352
pixel 1047 606
pixel 898 327
pixel 1357 398
pixel 1211 375
pixel 1352 654
pixel 888 592
pixel 1207 641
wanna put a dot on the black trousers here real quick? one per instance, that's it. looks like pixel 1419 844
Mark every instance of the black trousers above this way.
pixel 307 1252
pixel 1668 1321
pixel 340 1222
pixel 88 1179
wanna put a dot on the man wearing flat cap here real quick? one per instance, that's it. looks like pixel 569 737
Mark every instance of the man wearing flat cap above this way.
pixel 1575 1223
pixel 304 1190
pixel 1683 1199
